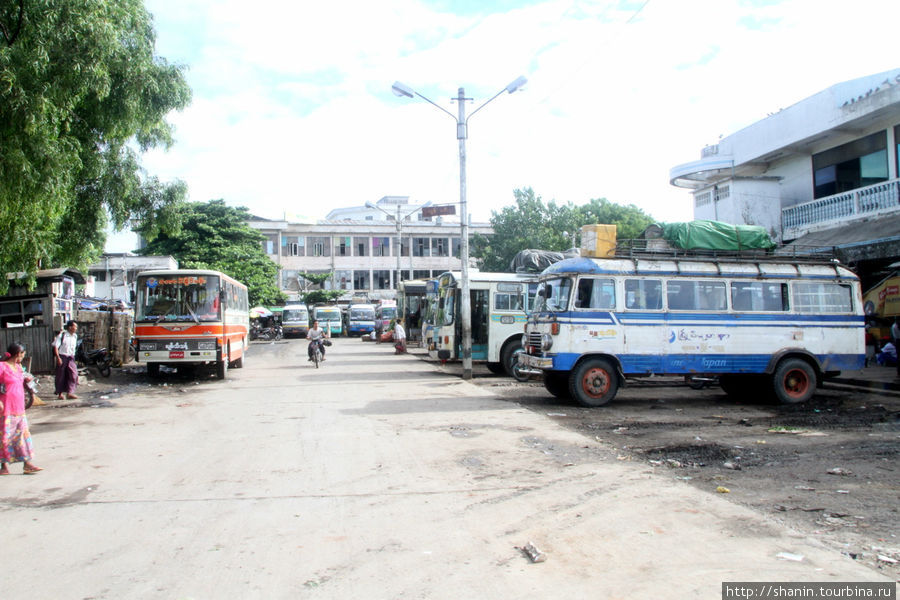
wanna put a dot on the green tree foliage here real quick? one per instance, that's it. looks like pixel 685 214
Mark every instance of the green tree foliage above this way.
pixel 215 236
pixel 531 223
pixel 319 296
pixel 81 95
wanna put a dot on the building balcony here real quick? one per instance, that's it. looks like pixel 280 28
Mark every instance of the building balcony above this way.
pixel 823 213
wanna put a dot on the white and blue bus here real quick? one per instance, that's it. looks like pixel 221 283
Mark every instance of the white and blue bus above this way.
pixel 360 319
pixel 764 326
pixel 499 303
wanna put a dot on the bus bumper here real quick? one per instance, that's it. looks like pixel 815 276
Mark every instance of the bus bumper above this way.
pixel 535 362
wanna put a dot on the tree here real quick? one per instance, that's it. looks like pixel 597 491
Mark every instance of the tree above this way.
pixel 81 95
pixel 215 236
pixel 319 296
pixel 531 223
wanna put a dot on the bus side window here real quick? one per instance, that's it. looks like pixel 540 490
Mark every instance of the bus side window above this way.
pixel 741 297
pixel 643 294
pixel 596 294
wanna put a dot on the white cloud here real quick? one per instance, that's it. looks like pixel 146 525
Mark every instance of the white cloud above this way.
pixel 293 113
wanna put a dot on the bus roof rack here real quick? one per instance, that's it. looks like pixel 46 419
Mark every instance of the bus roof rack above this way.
pixel 660 249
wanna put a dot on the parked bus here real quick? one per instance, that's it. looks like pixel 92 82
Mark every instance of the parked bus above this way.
pixel 295 319
pixel 764 326
pixel 190 317
pixel 360 319
pixel 384 314
pixel 499 303
pixel 329 318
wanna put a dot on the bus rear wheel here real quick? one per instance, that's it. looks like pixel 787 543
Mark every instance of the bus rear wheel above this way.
pixel 594 382
pixel 557 384
pixel 794 381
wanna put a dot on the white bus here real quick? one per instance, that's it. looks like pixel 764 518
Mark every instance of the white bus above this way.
pixel 764 326
pixel 190 317
pixel 295 319
pixel 499 302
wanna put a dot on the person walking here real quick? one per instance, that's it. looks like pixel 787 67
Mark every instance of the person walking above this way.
pixel 15 438
pixel 399 337
pixel 64 346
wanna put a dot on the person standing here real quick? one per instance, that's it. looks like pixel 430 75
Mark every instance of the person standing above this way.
pixel 895 338
pixel 64 346
pixel 399 337
pixel 15 438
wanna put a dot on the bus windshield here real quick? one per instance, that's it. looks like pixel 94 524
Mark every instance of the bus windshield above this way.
pixel 362 314
pixel 192 298
pixel 294 314
pixel 388 312
pixel 553 295
pixel 328 314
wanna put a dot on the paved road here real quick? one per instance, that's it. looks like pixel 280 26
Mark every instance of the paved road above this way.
pixel 375 476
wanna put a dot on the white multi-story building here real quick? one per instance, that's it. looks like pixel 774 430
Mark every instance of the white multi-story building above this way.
pixel 822 172
pixel 367 249
pixel 114 276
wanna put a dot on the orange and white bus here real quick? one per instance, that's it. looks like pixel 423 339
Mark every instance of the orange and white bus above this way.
pixel 190 317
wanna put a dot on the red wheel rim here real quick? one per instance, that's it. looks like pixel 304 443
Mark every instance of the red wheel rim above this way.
pixel 595 382
pixel 796 383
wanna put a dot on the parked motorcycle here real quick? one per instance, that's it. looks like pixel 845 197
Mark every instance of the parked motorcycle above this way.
pixel 98 357
pixel 30 390
pixel 275 332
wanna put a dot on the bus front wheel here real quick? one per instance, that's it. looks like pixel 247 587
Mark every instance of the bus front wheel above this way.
pixel 222 366
pixel 594 382
pixel 153 369
pixel 794 381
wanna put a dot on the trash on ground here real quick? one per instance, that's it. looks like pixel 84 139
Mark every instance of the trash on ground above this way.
pixel 732 466
pixel 839 471
pixel 886 559
pixel 533 554
pixel 723 490
pixel 789 556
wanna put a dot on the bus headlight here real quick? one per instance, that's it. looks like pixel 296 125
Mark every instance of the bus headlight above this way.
pixel 546 342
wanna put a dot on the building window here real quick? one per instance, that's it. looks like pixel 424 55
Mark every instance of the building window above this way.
pixel 292 245
pixel 360 280
pixel 456 243
pixel 723 192
pixel 360 246
pixel 421 246
pixel 440 247
pixel 403 245
pixel 99 275
pixel 319 246
pixel 381 246
pixel 854 165
pixel 342 245
pixel 381 280
pixel 702 199
pixel 417 274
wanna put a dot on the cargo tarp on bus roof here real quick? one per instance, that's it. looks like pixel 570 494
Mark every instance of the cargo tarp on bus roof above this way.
pixel 715 235
pixel 535 261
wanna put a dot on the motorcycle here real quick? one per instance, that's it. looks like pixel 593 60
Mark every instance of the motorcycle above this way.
pixel 274 332
pixel 30 390
pixel 98 357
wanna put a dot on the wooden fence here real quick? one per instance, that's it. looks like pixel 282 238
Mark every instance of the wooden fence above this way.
pixel 36 340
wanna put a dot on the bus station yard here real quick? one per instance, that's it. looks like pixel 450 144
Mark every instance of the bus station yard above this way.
pixel 826 468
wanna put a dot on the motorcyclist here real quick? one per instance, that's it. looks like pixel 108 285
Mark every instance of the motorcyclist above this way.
pixel 316 336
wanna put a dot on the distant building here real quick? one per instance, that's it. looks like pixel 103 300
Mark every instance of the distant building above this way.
pixel 822 172
pixel 360 246
pixel 114 275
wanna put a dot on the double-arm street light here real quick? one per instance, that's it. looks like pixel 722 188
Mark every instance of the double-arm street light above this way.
pixel 400 218
pixel 462 125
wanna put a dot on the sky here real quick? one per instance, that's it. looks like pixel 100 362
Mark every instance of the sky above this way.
pixel 293 114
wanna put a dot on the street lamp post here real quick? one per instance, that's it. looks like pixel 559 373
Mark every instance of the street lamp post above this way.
pixel 462 126
pixel 399 234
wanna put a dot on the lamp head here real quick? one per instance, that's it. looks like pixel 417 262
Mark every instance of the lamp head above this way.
pixel 401 89
pixel 515 85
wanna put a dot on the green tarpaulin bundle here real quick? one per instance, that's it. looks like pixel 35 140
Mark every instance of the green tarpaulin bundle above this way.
pixel 715 235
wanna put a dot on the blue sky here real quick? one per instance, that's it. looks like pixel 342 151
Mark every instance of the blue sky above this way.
pixel 293 113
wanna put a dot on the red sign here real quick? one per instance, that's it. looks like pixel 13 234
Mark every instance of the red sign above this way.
pixel 176 354
pixel 434 211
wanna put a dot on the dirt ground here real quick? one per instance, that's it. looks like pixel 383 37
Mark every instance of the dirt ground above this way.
pixel 828 468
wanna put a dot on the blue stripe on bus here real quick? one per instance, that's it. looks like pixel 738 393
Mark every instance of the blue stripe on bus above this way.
pixel 680 364
pixel 664 317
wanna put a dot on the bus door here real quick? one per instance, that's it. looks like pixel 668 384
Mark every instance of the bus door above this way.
pixel 480 305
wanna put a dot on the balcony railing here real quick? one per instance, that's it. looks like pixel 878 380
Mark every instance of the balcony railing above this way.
pixel 875 199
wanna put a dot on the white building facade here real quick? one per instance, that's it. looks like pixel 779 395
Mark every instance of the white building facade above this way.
pixel 366 249
pixel 114 276
pixel 822 171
